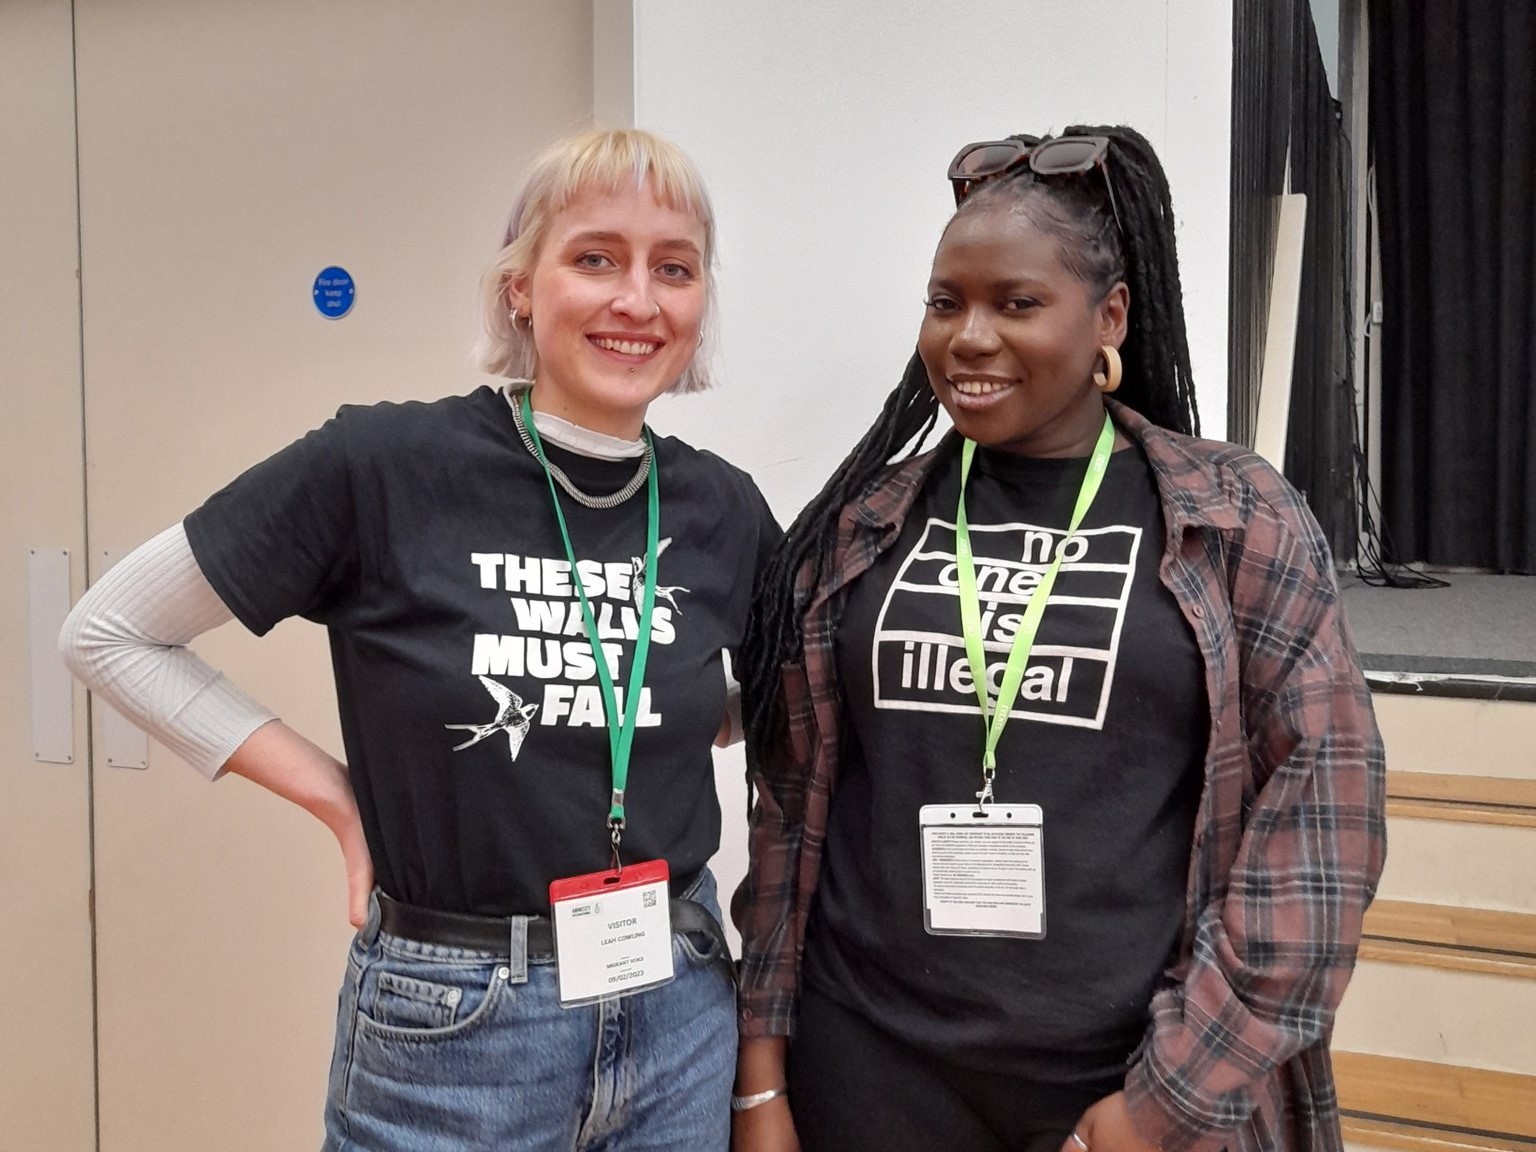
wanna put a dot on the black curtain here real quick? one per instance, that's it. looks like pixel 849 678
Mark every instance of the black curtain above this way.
pixel 1453 133
pixel 1319 454
pixel 1280 101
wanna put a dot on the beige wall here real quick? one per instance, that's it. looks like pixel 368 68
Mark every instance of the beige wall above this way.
pixel 227 152
pixel 46 1088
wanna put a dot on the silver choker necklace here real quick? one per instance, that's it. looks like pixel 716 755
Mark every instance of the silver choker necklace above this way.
pixel 613 499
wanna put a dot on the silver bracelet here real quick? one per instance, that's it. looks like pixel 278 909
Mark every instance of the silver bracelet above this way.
pixel 742 1103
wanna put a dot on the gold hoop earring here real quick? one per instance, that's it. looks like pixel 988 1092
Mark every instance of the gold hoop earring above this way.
pixel 1109 379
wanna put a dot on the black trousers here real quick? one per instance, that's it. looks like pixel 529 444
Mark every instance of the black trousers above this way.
pixel 852 1088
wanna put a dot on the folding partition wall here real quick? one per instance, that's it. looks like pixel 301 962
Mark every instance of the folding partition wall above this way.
pixel 220 155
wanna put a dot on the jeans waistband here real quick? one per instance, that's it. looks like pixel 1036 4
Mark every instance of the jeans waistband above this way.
pixel 523 940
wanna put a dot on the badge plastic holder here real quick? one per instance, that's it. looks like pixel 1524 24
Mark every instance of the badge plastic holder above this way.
pixel 989 864
pixel 613 932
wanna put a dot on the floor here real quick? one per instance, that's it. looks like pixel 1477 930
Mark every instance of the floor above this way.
pixel 1476 637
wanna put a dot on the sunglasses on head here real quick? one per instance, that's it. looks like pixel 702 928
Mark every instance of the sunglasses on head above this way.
pixel 1057 156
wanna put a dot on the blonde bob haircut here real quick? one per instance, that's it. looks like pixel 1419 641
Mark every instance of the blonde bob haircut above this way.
pixel 605 161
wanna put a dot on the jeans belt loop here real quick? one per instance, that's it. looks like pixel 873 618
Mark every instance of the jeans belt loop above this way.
pixel 517 962
pixel 369 932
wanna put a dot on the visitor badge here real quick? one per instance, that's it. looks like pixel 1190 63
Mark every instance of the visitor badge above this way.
pixel 983 869
pixel 613 932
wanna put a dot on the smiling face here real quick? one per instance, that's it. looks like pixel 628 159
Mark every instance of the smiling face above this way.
pixel 1011 337
pixel 617 295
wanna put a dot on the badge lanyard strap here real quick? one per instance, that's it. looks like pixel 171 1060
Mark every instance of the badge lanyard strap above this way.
pixel 621 733
pixel 996 718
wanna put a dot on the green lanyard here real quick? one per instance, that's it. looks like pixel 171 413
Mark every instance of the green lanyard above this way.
pixel 996 717
pixel 621 733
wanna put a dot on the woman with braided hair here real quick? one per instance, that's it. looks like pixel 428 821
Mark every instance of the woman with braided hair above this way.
pixel 1069 795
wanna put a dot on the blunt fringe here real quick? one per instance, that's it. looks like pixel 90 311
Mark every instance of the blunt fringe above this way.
pixel 604 161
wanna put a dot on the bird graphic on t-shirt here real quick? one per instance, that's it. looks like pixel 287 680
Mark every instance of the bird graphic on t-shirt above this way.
pixel 637 581
pixel 512 717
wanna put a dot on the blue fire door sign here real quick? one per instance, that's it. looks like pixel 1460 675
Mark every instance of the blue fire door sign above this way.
pixel 334 293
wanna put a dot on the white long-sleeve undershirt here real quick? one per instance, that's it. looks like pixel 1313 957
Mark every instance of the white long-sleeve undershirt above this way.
pixel 127 637
pixel 127 641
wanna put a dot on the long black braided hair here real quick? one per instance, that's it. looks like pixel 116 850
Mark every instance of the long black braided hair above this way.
pixel 1076 209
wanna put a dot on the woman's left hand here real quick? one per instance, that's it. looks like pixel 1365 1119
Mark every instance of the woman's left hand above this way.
pixel 1107 1127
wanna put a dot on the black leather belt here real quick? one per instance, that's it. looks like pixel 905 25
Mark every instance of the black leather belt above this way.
pixel 494 933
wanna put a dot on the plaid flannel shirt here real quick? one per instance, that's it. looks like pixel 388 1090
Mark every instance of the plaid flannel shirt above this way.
pixel 1289 839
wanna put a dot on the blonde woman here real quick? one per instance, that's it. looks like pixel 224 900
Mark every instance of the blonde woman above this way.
pixel 527 597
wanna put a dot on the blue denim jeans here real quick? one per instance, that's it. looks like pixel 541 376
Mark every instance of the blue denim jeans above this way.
pixel 452 1048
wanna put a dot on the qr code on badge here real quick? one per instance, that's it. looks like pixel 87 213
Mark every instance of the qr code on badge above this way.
pixel 648 899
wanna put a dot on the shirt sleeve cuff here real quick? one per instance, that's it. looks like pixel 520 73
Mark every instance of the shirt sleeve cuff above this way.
pixel 760 1015
pixel 1158 1118
pixel 213 725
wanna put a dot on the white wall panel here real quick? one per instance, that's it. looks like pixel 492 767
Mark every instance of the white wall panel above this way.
pixel 824 131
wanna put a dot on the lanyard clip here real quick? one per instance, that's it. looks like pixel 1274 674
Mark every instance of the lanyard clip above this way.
pixel 615 834
pixel 988 774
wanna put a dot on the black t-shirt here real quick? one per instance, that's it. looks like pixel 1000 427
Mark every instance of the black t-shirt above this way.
pixel 1107 736
pixel 423 536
